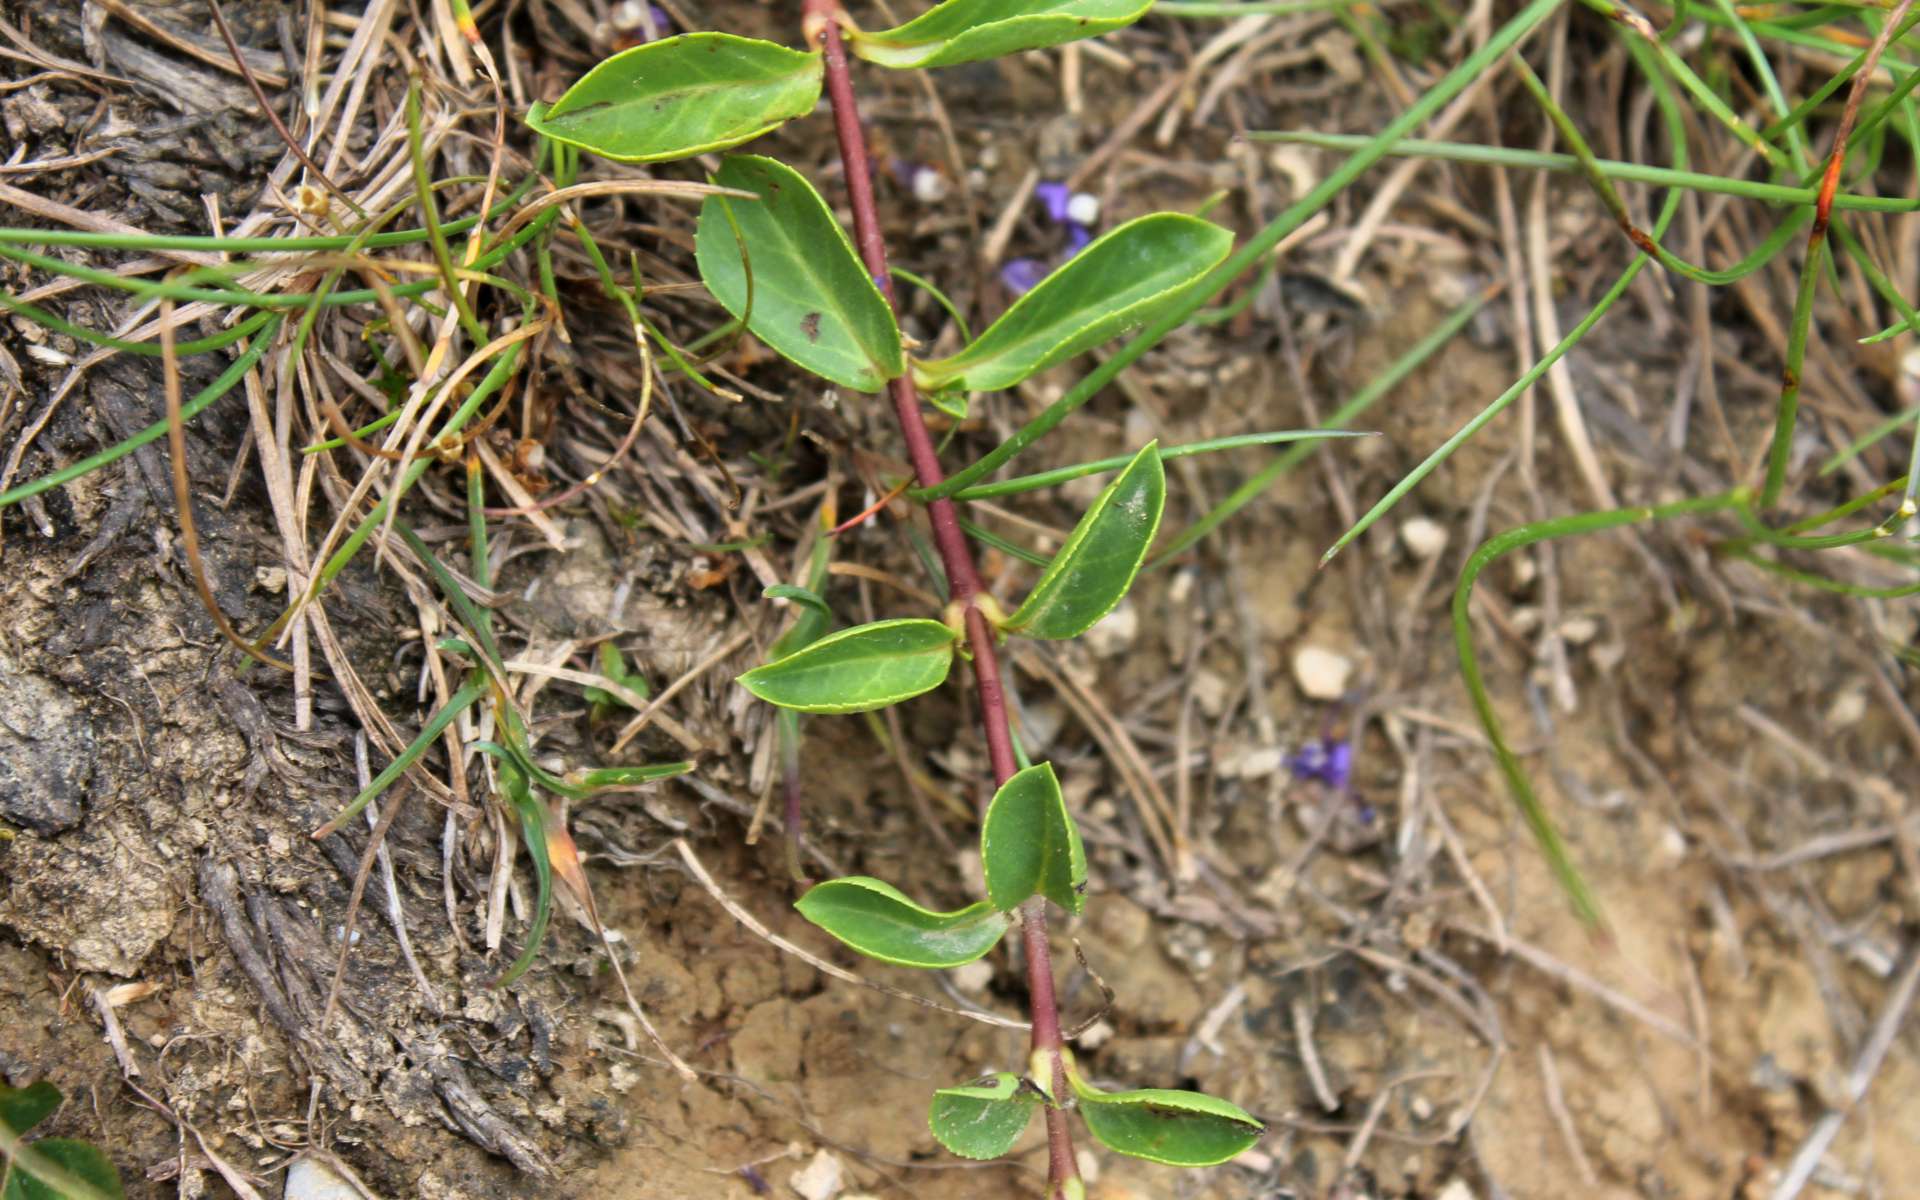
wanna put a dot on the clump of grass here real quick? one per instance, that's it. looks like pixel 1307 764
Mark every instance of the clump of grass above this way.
pixel 434 326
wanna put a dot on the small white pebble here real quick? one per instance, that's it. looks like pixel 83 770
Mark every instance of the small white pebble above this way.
pixel 1116 632
pixel 1298 166
pixel 1608 655
pixel 1181 589
pixel 1423 537
pixel 819 1179
pixel 1095 1036
pixel 973 978
pixel 1578 631
pixel 929 185
pixel 1673 843
pixel 1846 710
pixel 1089 1164
pixel 1210 690
pixel 1321 673
pixel 1249 763
pixel 1083 208
pixel 1456 1190
pixel 311 1180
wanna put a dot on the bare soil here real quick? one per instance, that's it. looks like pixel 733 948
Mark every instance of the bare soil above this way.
pixel 1387 975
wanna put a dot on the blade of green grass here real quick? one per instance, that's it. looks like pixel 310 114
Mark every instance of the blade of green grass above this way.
pixel 221 385
pixel 1060 475
pixel 436 725
pixel 1546 835
pixel 1347 413
pixel 1676 131
pixel 1254 252
pixel 1625 172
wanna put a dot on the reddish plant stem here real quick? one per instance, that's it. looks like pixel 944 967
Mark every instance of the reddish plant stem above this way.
pixel 993 697
pixel 822 25
pixel 1045 1013
pixel 963 580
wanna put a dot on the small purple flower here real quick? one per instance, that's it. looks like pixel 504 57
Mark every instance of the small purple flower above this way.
pixel 1056 197
pixel 630 17
pixel 1078 236
pixel 1020 275
pixel 1326 759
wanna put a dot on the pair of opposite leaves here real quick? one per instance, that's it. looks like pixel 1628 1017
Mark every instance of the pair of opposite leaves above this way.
pixel 701 92
pixel 784 266
pixel 882 663
pixel 1028 847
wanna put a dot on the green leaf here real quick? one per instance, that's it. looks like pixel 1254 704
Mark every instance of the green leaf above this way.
pixel 533 831
pixel 1181 1129
pixel 1029 844
pixel 81 1160
pixel 799 595
pixel 962 31
pixel 470 693
pixel 878 921
pixel 809 297
pixel 983 1120
pixel 954 402
pixel 858 669
pixel 605 777
pixel 805 631
pixel 683 96
pixel 614 667
pixel 1097 565
pixel 457 599
pixel 1120 281
pixel 23 1108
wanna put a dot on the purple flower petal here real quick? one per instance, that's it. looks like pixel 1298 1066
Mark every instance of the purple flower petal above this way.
pixel 1339 765
pixel 629 16
pixel 1055 197
pixel 1324 759
pixel 1078 236
pixel 1020 275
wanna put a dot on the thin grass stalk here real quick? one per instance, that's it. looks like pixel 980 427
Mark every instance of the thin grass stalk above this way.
pixel 1256 249
pixel 183 498
pixel 1552 847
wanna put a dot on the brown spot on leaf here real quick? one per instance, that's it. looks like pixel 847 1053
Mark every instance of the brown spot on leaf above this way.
pixel 810 325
